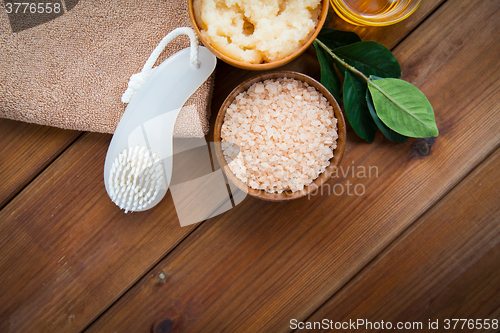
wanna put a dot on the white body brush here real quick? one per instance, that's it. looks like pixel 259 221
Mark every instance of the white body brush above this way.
pixel 138 166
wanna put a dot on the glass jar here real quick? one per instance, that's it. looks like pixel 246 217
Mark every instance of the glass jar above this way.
pixel 374 12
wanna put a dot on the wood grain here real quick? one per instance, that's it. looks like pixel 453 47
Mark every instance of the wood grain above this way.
pixel 445 266
pixel 67 252
pixel 25 150
pixel 261 264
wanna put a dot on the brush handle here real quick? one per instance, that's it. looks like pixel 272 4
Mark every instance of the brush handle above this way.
pixel 150 116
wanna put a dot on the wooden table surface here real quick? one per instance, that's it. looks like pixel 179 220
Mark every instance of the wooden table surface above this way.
pixel 422 243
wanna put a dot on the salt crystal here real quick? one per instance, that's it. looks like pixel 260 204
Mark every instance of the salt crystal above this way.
pixel 259 88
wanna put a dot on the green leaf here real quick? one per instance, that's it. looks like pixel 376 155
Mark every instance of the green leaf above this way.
pixel 403 108
pixel 370 58
pixel 329 77
pixel 388 133
pixel 356 108
pixel 335 38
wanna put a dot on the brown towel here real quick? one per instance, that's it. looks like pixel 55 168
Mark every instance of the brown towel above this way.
pixel 70 69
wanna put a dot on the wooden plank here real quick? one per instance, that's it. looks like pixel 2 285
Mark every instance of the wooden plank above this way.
pixel 444 267
pixel 25 150
pixel 67 252
pixel 261 264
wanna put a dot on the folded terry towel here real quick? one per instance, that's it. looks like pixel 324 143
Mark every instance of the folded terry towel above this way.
pixel 71 69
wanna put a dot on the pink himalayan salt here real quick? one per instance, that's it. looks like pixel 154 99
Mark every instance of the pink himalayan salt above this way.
pixel 285 131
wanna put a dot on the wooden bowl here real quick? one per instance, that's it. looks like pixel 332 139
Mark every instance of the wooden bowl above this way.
pixel 266 65
pixel 338 153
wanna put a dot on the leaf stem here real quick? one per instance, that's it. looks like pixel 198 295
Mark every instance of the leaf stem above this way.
pixel 353 69
pixel 341 61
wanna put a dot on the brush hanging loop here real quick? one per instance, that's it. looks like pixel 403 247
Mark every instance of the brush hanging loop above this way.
pixel 137 80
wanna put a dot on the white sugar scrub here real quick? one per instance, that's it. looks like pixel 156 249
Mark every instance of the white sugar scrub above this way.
pixel 256 31
pixel 286 132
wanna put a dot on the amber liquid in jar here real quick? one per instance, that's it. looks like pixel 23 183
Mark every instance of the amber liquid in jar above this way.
pixel 374 12
pixel 370 7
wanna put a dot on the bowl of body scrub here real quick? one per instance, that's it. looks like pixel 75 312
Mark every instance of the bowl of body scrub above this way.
pixel 279 136
pixel 257 35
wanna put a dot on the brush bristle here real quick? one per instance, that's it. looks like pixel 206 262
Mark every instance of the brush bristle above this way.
pixel 135 178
